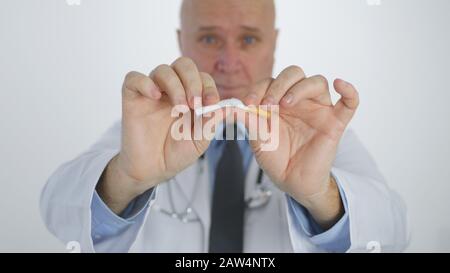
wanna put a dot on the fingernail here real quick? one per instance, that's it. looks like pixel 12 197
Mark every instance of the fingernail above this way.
pixel 210 97
pixel 156 94
pixel 344 82
pixel 251 98
pixel 288 98
pixel 268 101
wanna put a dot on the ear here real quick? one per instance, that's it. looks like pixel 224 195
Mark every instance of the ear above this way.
pixel 180 46
pixel 275 39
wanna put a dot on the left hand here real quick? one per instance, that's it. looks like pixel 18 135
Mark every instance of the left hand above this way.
pixel 310 129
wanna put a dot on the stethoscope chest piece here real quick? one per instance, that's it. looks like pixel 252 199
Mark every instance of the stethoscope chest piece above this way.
pixel 260 197
pixel 186 216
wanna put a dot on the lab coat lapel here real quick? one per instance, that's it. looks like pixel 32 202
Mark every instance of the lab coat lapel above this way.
pixel 199 196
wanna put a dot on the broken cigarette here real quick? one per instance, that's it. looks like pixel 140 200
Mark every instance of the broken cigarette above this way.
pixel 230 103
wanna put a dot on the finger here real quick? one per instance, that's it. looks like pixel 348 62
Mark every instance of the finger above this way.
pixel 138 84
pixel 348 103
pixel 257 91
pixel 315 88
pixel 168 81
pixel 209 93
pixel 190 78
pixel 210 96
pixel 280 86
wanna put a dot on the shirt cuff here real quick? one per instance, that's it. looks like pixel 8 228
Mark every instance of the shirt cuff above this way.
pixel 335 239
pixel 106 224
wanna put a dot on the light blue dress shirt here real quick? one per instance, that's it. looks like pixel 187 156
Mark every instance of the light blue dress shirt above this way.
pixel 106 224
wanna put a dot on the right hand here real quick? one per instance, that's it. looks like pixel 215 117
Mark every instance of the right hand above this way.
pixel 149 154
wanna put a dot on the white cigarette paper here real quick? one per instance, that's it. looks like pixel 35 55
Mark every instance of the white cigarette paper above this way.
pixel 233 102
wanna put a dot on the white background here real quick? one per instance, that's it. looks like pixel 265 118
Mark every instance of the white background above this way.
pixel 61 71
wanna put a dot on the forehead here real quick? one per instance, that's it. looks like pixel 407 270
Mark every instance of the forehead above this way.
pixel 227 14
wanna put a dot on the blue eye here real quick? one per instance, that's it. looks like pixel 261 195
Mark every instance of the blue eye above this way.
pixel 209 39
pixel 249 40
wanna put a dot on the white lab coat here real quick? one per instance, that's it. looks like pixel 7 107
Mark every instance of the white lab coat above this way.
pixel 376 213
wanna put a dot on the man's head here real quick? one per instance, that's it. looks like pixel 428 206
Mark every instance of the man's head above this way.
pixel 233 40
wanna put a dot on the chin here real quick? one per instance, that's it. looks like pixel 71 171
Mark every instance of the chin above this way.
pixel 231 92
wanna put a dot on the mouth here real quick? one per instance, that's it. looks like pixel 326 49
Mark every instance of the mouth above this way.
pixel 229 87
pixel 228 92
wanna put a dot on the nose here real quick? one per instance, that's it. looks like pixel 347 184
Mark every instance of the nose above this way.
pixel 229 60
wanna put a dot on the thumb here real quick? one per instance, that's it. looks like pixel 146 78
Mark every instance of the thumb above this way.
pixel 348 103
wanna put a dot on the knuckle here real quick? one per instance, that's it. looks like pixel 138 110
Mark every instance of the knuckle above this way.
pixel 193 85
pixel 205 76
pixel 320 81
pixel 193 79
pixel 276 86
pixel 163 73
pixel 262 87
pixel 295 70
pixel 141 81
pixel 184 63
pixel 171 81
pixel 160 69
pixel 130 76
pixel 207 81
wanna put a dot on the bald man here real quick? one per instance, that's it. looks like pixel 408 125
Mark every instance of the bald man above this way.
pixel 141 189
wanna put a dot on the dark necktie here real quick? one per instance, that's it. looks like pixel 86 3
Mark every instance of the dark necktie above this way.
pixel 227 212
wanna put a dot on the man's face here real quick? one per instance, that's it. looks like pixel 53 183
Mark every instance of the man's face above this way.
pixel 233 40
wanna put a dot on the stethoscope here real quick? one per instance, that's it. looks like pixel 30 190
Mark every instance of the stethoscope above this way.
pixel 259 198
